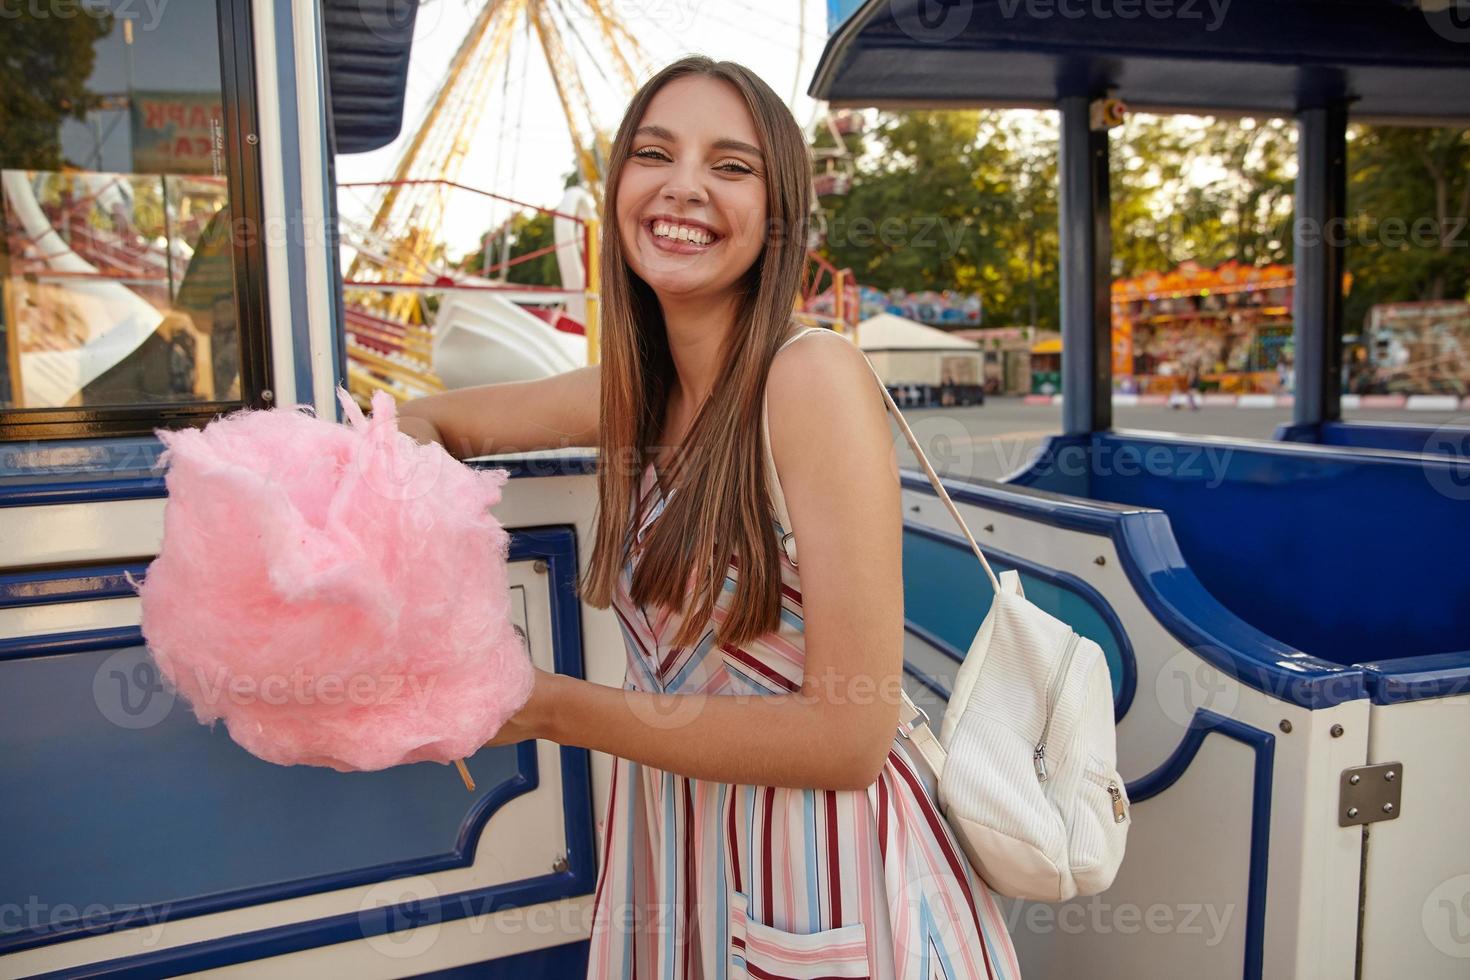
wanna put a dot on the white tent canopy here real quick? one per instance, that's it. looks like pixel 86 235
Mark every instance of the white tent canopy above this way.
pixel 888 332
pixel 908 353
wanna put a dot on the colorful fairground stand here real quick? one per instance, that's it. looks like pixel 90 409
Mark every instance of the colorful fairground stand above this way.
pixel 1227 329
pixel 1285 620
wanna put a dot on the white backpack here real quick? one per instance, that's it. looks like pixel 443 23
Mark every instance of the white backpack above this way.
pixel 1025 762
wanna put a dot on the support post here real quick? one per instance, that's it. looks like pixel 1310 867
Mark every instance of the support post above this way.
pixel 1085 217
pixel 1320 246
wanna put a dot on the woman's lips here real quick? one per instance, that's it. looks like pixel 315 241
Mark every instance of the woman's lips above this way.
pixel 677 246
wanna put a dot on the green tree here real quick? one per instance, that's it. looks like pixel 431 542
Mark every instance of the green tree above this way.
pixel 1408 203
pixel 528 233
pixel 1206 191
pixel 936 206
pixel 45 62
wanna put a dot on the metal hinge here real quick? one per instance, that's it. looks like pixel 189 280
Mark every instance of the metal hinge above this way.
pixel 1368 794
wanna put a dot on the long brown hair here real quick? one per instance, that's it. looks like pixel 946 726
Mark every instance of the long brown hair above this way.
pixel 721 508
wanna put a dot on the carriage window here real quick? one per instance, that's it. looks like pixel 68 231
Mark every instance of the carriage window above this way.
pixel 118 269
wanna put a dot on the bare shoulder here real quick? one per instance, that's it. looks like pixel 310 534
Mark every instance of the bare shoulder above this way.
pixel 824 401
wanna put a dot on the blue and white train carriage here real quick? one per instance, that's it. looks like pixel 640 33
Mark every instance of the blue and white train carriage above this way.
pixel 1291 699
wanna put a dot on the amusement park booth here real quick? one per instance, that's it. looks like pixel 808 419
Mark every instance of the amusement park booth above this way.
pixel 1285 621
pixel 907 354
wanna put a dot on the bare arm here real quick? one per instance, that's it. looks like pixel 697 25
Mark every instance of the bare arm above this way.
pixel 510 416
pixel 840 477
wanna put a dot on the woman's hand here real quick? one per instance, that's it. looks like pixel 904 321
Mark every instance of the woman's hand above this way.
pixel 532 721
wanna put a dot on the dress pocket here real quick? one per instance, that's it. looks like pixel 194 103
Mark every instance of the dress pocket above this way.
pixel 761 952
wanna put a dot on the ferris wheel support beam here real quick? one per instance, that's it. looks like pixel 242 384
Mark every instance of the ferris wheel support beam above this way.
pixel 565 79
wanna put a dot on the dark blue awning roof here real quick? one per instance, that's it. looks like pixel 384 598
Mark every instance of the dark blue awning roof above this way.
pixel 1389 58
pixel 368 43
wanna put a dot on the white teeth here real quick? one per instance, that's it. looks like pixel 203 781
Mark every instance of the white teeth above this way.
pixel 698 236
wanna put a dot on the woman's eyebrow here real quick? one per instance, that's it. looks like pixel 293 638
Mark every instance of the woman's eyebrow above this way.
pixel 659 133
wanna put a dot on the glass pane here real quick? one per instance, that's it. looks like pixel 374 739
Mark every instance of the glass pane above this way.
pixel 115 258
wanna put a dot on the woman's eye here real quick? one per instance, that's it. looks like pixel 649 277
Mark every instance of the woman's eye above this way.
pixel 729 166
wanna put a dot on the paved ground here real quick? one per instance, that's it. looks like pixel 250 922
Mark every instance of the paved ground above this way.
pixel 995 439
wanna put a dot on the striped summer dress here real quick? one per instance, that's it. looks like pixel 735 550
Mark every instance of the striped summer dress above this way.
pixel 711 880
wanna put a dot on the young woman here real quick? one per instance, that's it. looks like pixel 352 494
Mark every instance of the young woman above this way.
pixel 764 817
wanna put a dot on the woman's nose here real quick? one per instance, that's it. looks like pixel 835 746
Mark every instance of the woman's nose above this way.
pixel 684 186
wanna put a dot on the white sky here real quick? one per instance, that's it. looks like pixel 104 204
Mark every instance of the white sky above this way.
pixel 528 164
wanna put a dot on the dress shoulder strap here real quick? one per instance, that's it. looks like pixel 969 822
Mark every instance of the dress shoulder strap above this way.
pixel 803 332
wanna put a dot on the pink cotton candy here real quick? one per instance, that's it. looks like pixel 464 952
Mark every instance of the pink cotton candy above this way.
pixel 338 594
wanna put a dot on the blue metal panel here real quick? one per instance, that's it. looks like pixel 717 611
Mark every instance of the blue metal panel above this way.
pixel 1144 543
pixel 1404 437
pixel 556 963
pixel 1417 678
pixel 1349 554
pixel 197 825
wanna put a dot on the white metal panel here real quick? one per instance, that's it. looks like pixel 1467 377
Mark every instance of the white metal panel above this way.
pixel 1416 903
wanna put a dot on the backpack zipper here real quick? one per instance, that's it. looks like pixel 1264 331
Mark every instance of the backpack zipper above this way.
pixel 1120 812
pixel 1038 758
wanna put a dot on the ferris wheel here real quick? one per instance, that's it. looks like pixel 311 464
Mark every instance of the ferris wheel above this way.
pixel 410 207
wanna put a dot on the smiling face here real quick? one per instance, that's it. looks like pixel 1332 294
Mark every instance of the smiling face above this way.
pixel 691 197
